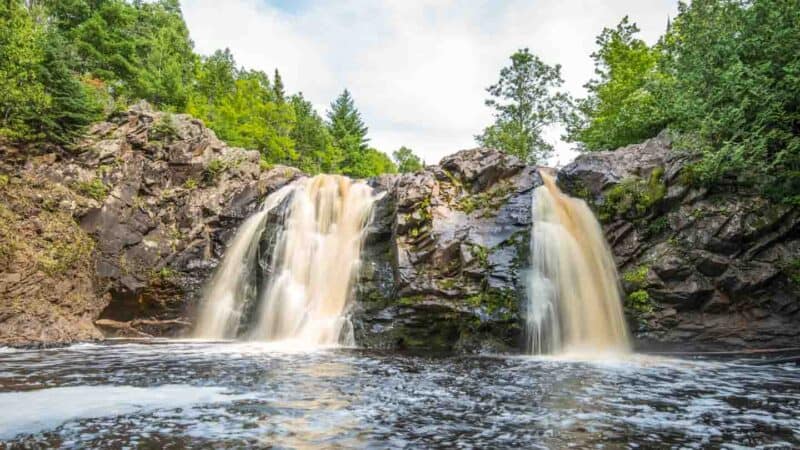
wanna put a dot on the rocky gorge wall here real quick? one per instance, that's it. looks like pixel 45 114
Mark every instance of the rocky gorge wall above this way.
pixel 703 268
pixel 117 238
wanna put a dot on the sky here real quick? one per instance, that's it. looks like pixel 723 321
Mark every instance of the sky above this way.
pixel 417 69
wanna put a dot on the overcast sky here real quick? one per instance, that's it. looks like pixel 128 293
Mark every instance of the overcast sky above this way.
pixel 417 69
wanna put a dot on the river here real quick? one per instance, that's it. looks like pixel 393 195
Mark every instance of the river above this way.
pixel 176 394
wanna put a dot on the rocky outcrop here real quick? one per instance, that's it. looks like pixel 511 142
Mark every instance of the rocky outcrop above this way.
pixel 154 197
pixel 118 236
pixel 445 256
pixel 702 268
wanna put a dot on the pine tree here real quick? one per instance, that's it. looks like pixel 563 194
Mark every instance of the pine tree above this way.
pixel 277 88
pixel 349 134
pixel 345 124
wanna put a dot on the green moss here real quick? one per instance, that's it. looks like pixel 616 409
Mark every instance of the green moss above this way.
pixel 104 169
pixel 489 201
pixel 410 300
pixel 501 302
pixel 163 274
pixel 94 189
pixel 636 277
pixel 424 208
pixel 633 197
pixel 190 184
pixel 164 128
pixel 792 270
pixel 219 165
pixel 447 283
pixel 264 165
pixel 67 245
pixel 481 254
pixel 639 301
pixel 657 226
pixel 3 180
pixel 453 180
pixel 8 235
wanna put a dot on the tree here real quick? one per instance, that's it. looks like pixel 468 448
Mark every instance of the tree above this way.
pixel 736 92
pixel 40 97
pixel 22 94
pixel 312 142
pixel 348 132
pixel 525 103
pixel 371 163
pixel 277 88
pixel 626 101
pixel 407 161
pixel 166 54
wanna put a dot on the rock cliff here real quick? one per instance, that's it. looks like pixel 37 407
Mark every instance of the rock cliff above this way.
pixel 703 268
pixel 117 237
pixel 121 232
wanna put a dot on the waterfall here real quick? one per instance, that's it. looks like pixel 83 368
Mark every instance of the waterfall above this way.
pixel 574 289
pixel 315 261
pixel 226 295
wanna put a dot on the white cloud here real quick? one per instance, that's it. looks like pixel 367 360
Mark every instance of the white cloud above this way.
pixel 417 69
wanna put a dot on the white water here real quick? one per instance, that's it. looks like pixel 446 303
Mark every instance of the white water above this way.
pixel 317 261
pixel 575 304
pixel 226 294
pixel 42 409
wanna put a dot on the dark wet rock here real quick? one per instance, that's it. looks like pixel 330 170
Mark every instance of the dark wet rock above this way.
pixel 725 259
pixel 445 256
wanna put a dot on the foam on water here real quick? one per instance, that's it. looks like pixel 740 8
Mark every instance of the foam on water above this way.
pixel 33 411
pixel 226 394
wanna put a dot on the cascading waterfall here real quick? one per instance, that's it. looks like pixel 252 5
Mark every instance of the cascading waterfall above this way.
pixel 574 293
pixel 315 262
pixel 226 295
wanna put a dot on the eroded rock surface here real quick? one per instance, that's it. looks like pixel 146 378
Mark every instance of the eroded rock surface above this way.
pixel 704 269
pixel 446 255
pixel 158 196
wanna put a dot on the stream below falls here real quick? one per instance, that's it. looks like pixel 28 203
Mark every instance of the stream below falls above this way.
pixel 176 394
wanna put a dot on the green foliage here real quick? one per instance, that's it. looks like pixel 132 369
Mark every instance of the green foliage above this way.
pixel 633 197
pixel 624 104
pixel 639 301
pixel 3 180
pixel 725 77
pixel 164 128
pixel 95 189
pixel 40 97
pixel 242 110
pixel 500 302
pixel 312 142
pixel 190 184
pixel 370 162
pixel 481 254
pixel 636 277
pixel 488 201
pixel 525 102
pixel 163 274
pixel 407 161
pixel 214 169
pixel 65 62
pixel 657 226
